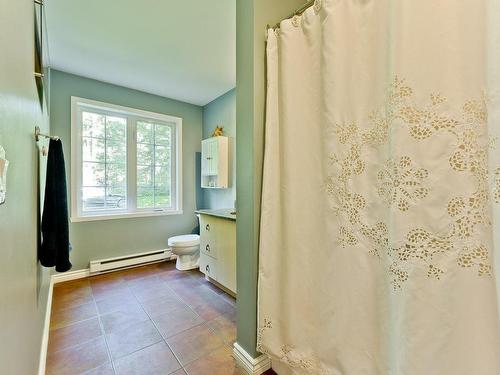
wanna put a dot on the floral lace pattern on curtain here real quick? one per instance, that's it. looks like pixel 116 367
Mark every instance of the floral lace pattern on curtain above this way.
pixel 310 364
pixel 381 193
pixel 402 184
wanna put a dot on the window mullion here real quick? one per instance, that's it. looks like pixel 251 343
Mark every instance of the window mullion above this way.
pixel 79 164
pixel 173 168
pixel 105 162
pixel 154 165
pixel 132 163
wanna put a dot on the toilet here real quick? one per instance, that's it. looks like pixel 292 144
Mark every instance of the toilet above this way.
pixel 187 249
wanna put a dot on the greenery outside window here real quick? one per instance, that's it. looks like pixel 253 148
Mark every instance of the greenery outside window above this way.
pixel 125 162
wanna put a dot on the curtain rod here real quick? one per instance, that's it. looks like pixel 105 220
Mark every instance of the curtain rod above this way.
pixel 297 12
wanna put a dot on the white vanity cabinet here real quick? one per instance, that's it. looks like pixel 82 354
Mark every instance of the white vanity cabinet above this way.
pixel 215 163
pixel 218 250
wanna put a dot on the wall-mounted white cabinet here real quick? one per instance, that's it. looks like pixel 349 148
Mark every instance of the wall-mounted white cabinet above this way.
pixel 215 163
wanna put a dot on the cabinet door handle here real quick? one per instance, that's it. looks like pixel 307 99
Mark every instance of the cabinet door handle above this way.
pixel 207 268
pixel 207 227
pixel 207 248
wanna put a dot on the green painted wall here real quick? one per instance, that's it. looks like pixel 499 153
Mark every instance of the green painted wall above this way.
pixel 23 283
pixel 222 111
pixel 110 238
pixel 252 17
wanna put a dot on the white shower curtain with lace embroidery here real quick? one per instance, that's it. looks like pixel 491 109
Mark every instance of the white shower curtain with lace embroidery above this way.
pixel 380 223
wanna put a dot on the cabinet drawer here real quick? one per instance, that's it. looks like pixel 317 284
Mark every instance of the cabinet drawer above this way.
pixel 208 266
pixel 207 246
pixel 208 236
pixel 207 228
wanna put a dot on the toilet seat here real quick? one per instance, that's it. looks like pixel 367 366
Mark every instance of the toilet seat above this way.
pixel 186 240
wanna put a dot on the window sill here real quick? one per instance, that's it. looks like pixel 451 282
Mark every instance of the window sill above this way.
pixel 78 219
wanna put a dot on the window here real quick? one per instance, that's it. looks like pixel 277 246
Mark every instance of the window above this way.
pixel 125 162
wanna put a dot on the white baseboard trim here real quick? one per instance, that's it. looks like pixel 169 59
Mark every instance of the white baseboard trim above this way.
pixel 55 279
pixel 253 366
pixel 46 326
pixel 83 273
pixel 70 275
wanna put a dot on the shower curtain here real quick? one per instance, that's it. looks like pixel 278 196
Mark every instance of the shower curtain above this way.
pixel 380 224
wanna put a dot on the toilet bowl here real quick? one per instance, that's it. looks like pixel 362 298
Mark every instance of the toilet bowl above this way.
pixel 187 249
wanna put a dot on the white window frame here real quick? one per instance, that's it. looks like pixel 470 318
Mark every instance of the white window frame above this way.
pixel 133 115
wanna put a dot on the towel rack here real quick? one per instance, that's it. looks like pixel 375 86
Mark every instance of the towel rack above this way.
pixel 38 134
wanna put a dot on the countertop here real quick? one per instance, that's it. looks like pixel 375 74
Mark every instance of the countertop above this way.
pixel 225 213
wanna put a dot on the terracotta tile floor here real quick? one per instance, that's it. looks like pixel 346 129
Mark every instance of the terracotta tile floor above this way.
pixel 148 320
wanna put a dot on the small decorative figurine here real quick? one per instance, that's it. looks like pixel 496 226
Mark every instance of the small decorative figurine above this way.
pixel 219 130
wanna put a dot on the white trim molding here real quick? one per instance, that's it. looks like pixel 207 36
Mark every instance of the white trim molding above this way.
pixel 132 117
pixel 133 215
pixel 252 366
pixel 71 275
pixel 46 326
pixel 55 279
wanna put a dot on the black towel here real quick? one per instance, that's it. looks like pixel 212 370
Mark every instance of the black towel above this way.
pixel 55 227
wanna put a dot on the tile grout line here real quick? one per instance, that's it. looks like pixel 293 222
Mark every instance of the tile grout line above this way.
pixel 103 332
pixel 161 334
pixel 74 346
pixel 130 288
pixel 183 300
pixel 92 301
pixel 73 307
pixel 204 322
pixel 73 323
pixel 129 285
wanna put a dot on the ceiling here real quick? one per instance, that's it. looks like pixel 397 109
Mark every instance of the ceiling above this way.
pixel 180 49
